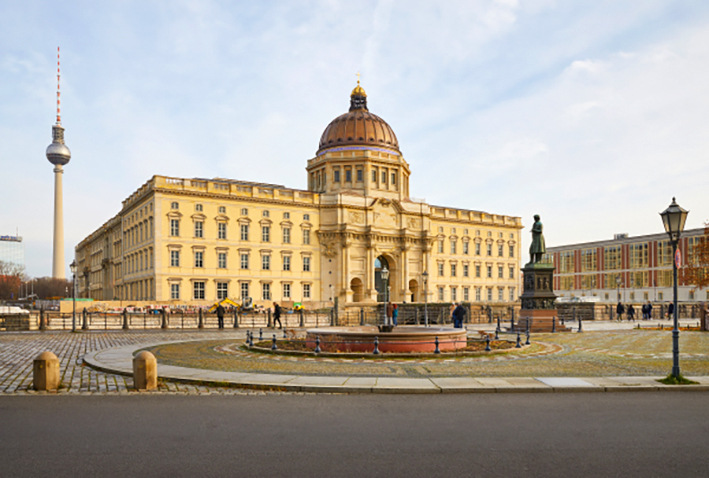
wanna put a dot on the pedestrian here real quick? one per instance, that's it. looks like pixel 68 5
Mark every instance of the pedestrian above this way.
pixel 389 313
pixel 631 313
pixel 670 310
pixel 620 310
pixel 649 310
pixel 277 315
pixel 395 314
pixel 644 311
pixel 220 315
pixel 458 316
pixel 450 311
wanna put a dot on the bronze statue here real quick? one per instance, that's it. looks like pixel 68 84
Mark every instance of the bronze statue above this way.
pixel 538 248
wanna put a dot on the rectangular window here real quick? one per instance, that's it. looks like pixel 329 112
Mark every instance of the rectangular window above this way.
pixel 512 294
pixel 384 177
pixel 454 294
pixel 174 227
pixel 440 269
pixel 306 217
pixel 198 229
pixel 500 273
pixel 266 234
pixel 286 291
pixel 198 290
pixel 244 232
pixel 286 263
pixel 441 293
pixel 244 261
pixel 638 255
pixel 589 260
pixel 612 258
pixel 198 258
pixel 175 291
pixel 478 294
pixel 222 290
pixel 286 235
pixel 360 175
pixel 489 250
pixel 466 247
pixel 221 230
pixel 266 291
pixel 500 250
pixel 221 260
pixel 454 270
pixel 244 290
pixel 489 272
pixel 286 215
pixel 512 250
pixel 348 175
pixel 244 211
pixel 393 179
pixel 477 248
pixel 336 175
pixel 477 271
pixel 466 294
pixel 306 291
pixel 567 262
pixel 306 236
pixel 266 262
pixel 374 175
pixel 306 263
pixel 454 246
pixel 465 270
pixel 500 294
pixel 175 258
pixel 489 293
pixel 440 246
pixel 512 272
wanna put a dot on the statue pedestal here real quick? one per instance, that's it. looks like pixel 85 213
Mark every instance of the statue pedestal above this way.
pixel 538 312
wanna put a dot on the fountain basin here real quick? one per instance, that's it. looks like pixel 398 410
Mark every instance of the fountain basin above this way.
pixel 401 339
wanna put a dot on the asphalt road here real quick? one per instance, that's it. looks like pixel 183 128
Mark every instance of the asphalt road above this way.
pixel 543 434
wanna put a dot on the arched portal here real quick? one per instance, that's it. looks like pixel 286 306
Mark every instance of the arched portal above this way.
pixel 357 289
pixel 379 264
pixel 414 288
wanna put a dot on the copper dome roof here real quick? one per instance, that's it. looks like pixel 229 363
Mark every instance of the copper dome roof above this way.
pixel 358 127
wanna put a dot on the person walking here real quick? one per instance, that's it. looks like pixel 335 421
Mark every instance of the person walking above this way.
pixel 458 316
pixel 220 315
pixel 671 310
pixel 649 310
pixel 389 313
pixel 631 313
pixel 277 315
pixel 620 310
pixel 395 314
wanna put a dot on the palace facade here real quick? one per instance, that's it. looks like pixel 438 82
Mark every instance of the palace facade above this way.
pixel 200 240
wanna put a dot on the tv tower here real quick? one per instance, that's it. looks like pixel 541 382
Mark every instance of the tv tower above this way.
pixel 58 154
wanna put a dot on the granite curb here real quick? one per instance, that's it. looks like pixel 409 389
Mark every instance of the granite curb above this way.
pixel 118 360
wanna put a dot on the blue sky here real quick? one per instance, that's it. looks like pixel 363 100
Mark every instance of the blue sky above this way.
pixel 591 113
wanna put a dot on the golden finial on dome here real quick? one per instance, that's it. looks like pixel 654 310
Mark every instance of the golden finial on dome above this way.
pixel 359 91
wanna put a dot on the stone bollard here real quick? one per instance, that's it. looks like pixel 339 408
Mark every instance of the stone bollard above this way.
pixel 46 372
pixel 84 321
pixel 200 325
pixel 125 320
pixel 163 316
pixel 145 371
pixel 236 318
pixel 42 322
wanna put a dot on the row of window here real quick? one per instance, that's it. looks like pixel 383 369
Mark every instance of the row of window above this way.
pixel 478 248
pixel 244 230
pixel 244 260
pixel 318 179
pixel 244 211
pixel 478 271
pixel 489 294
pixel 222 290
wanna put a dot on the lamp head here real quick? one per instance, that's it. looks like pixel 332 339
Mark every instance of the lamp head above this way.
pixel 673 218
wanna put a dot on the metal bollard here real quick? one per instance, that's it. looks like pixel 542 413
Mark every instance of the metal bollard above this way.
pixel 164 319
pixel 84 323
pixel 269 319
pixel 497 334
pixel 580 322
pixel 437 351
pixel 251 339
pixel 201 320
pixel 302 318
pixel 527 342
pixel 487 343
pixel 273 343
pixel 361 317
pixel 260 335
pixel 247 337
pixel 512 324
pixel 284 332
pixel 498 329
pixel 376 346
pixel 317 345
pixel 553 325
pixel 519 344
pixel 236 318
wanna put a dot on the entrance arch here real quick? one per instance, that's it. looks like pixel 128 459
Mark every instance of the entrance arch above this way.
pixel 414 289
pixel 357 289
pixel 380 263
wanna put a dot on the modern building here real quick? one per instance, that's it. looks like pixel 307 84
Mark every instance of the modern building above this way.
pixel 629 269
pixel 180 239
pixel 12 251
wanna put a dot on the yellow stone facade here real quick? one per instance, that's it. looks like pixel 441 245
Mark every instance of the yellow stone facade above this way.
pixel 198 240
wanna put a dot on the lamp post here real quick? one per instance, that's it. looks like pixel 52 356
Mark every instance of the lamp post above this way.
pixel 72 266
pixel 385 279
pixel 673 218
pixel 425 297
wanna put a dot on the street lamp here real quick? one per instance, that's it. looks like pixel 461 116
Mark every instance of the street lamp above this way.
pixel 72 266
pixel 673 219
pixel 425 296
pixel 385 278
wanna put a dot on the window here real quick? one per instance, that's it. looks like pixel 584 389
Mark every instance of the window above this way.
pixel 477 271
pixel 336 175
pixel 454 270
pixel 199 258
pixel 174 205
pixel 393 178
pixel 500 250
pixel 174 227
pixel 612 257
pixel 244 290
pixel 489 250
pixel 174 258
pixel 441 294
pixel 348 175
pixel 286 263
pixel 512 294
pixel 198 290
pixel 244 232
pixel 265 233
pixel 588 260
pixel 175 291
pixel 266 262
pixel 489 272
pixel 465 270
pixel 477 248
pixel 286 235
pixel 454 294
pixel 512 272
pixel 466 294
pixel 384 177
pixel 286 291
pixel 500 294
pixel 567 262
pixel 266 291
pixel 512 250
pixel 360 175
pixel 306 291
pixel 306 236
pixel 638 255
pixel 500 273
pixel 440 269
pixel 198 229
pixel 221 230
pixel 306 263
pixel 306 217
pixel 454 246
pixel 222 210
pixel 244 261
pixel 478 294
pixel 221 260
pixel 244 212
pixel 286 215
pixel 374 175
pixel 466 247
pixel 222 290
pixel 489 293
pixel 440 246
pixel 265 213
pixel 198 207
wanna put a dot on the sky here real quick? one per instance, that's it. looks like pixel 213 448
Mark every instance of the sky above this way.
pixel 593 114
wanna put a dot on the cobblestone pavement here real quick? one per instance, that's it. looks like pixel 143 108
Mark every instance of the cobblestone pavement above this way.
pixel 605 350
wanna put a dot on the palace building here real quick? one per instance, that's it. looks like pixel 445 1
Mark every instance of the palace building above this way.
pixel 199 240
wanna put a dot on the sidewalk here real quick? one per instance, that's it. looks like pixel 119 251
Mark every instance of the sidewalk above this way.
pixel 109 359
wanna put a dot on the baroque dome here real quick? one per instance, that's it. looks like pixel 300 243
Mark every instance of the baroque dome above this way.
pixel 358 127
